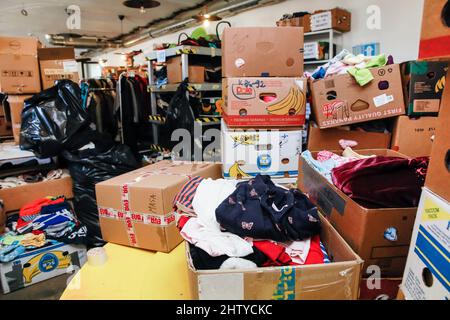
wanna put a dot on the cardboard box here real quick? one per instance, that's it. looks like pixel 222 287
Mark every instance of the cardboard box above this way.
pixel 2 220
pixel 16 106
pixel 438 173
pixel 16 198
pixel 337 18
pixel 435 34
pixel 135 208
pixel 338 280
pixel 244 104
pixel 19 74
pixel 262 52
pixel 303 21
pixel 41 264
pixel 379 236
pixel 423 84
pixel 5 127
pixel 413 136
pixel 246 153
pixel 379 288
pixel 56 64
pixel 19 45
pixel 328 139
pixel 427 272
pixel 340 100
pixel 174 72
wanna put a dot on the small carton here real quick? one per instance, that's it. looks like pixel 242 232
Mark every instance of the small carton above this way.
pixel 427 271
pixel 262 52
pixel 435 33
pixel 41 264
pixel 338 280
pixel 423 84
pixel 413 136
pixel 246 153
pixel 381 237
pixel 339 100
pixel 264 102
pixel 136 209
pixel 174 72
pixel 337 19
pixel 57 64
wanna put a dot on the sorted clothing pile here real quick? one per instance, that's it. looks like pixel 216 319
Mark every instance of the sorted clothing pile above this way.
pixel 32 177
pixel 230 224
pixel 42 222
pixel 373 181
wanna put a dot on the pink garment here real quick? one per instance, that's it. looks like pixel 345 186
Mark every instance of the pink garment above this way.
pixel 298 250
pixel 347 143
pixel 337 68
pixel 325 155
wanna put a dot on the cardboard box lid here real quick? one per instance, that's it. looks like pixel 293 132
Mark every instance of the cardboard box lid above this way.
pixel 19 45
pixel 56 53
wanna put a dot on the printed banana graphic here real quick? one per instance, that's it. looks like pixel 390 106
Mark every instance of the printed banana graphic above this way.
pixel 291 104
pixel 236 172
pixel 439 84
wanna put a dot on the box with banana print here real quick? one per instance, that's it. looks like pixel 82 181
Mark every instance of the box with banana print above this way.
pixel 264 102
pixel 247 152
pixel 41 264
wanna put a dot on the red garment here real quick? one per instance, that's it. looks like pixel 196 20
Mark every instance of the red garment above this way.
pixel 29 211
pixel 382 182
pixel 275 253
pixel 182 221
pixel 315 255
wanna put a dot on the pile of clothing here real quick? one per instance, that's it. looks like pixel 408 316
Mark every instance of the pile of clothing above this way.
pixel 356 65
pixel 249 224
pixel 372 181
pixel 32 177
pixel 40 223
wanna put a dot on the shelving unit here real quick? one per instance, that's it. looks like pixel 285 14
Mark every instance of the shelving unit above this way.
pixel 184 52
pixel 328 34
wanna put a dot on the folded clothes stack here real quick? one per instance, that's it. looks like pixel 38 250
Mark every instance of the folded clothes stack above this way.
pixel 32 177
pixel 232 225
pixel 373 181
pixel 42 222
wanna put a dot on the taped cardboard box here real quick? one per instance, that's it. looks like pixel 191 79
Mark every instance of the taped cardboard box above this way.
pixel 262 52
pixel 57 64
pixel 303 21
pixel 337 19
pixel 380 237
pixel 423 84
pixel 435 34
pixel 16 106
pixel 339 100
pixel 174 72
pixel 136 209
pixel 264 102
pixel 379 288
pixel 19 45
pixel 413 136
pixel 338 280
pixel 427 271
pixel 328 139
pixel 41 264
pixel 15 198
pixel 438 173
pixel 246 153
pixel 19 74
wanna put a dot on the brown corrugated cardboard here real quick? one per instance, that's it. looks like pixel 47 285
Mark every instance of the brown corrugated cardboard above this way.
pixel 438 173
pixel 19 74
pixel 19 45
pixel 379 288
pixel 262 51
pixel 364 229
pixel 328 139
pixel 56 64
pixel 15 198
pixel 62 53
pixel 5 127
pixel 340 100
pixel 135 208
pixel 16 106
pixel 174 72
pixel 435 34
pixel 303 21
pixel 337 280
pixel 2 220
pixel 413 136
pixel 337 18
pixel 244 105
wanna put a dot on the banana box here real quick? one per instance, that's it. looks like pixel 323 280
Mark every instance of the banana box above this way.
pixel 246 153
pixel 264 102
pixel 427 271
pixel 41 264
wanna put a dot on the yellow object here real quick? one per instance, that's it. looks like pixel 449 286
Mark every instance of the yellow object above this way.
pixel 132 273
pixel 45 262
pixel 439 84
pixel 236 172
pixel 291 104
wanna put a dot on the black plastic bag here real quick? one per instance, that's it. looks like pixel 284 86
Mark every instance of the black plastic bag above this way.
pixel 91 166
pixel 53 119
pixel 179 116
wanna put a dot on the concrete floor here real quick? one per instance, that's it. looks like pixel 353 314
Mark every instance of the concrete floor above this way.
pixel 50 289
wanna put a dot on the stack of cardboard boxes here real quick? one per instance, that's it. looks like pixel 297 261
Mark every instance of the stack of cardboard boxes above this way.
pixel 264 101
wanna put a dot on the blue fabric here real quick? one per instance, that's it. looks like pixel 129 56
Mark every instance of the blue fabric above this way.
pixel 9 253
pixel 323 167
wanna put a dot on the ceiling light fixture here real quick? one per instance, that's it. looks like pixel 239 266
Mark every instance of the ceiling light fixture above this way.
pixel 205 17
pixel 141 4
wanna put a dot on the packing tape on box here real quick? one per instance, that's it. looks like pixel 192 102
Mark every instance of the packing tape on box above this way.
pixel 153 219
pixel 97 256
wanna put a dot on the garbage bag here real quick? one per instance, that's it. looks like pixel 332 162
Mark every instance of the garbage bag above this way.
pixel 91 166
pixel 52 120
pixel 179 116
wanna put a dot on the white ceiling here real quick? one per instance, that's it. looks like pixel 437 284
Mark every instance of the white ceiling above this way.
pixel 98 17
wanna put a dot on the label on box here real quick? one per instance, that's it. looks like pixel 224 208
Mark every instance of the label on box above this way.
pixel 383 99
pixel 426 105
pixel 227 286
pixel 160 55
pixel 321 21
pixel 70 66
pixel 56 72
pixel 311 50
pixel 17 73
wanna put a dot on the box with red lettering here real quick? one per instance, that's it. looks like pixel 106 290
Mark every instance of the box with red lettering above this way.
pixel 135 209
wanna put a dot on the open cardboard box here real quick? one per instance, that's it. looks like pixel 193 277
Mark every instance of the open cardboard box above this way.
pixel 336 280
pixel 364 229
